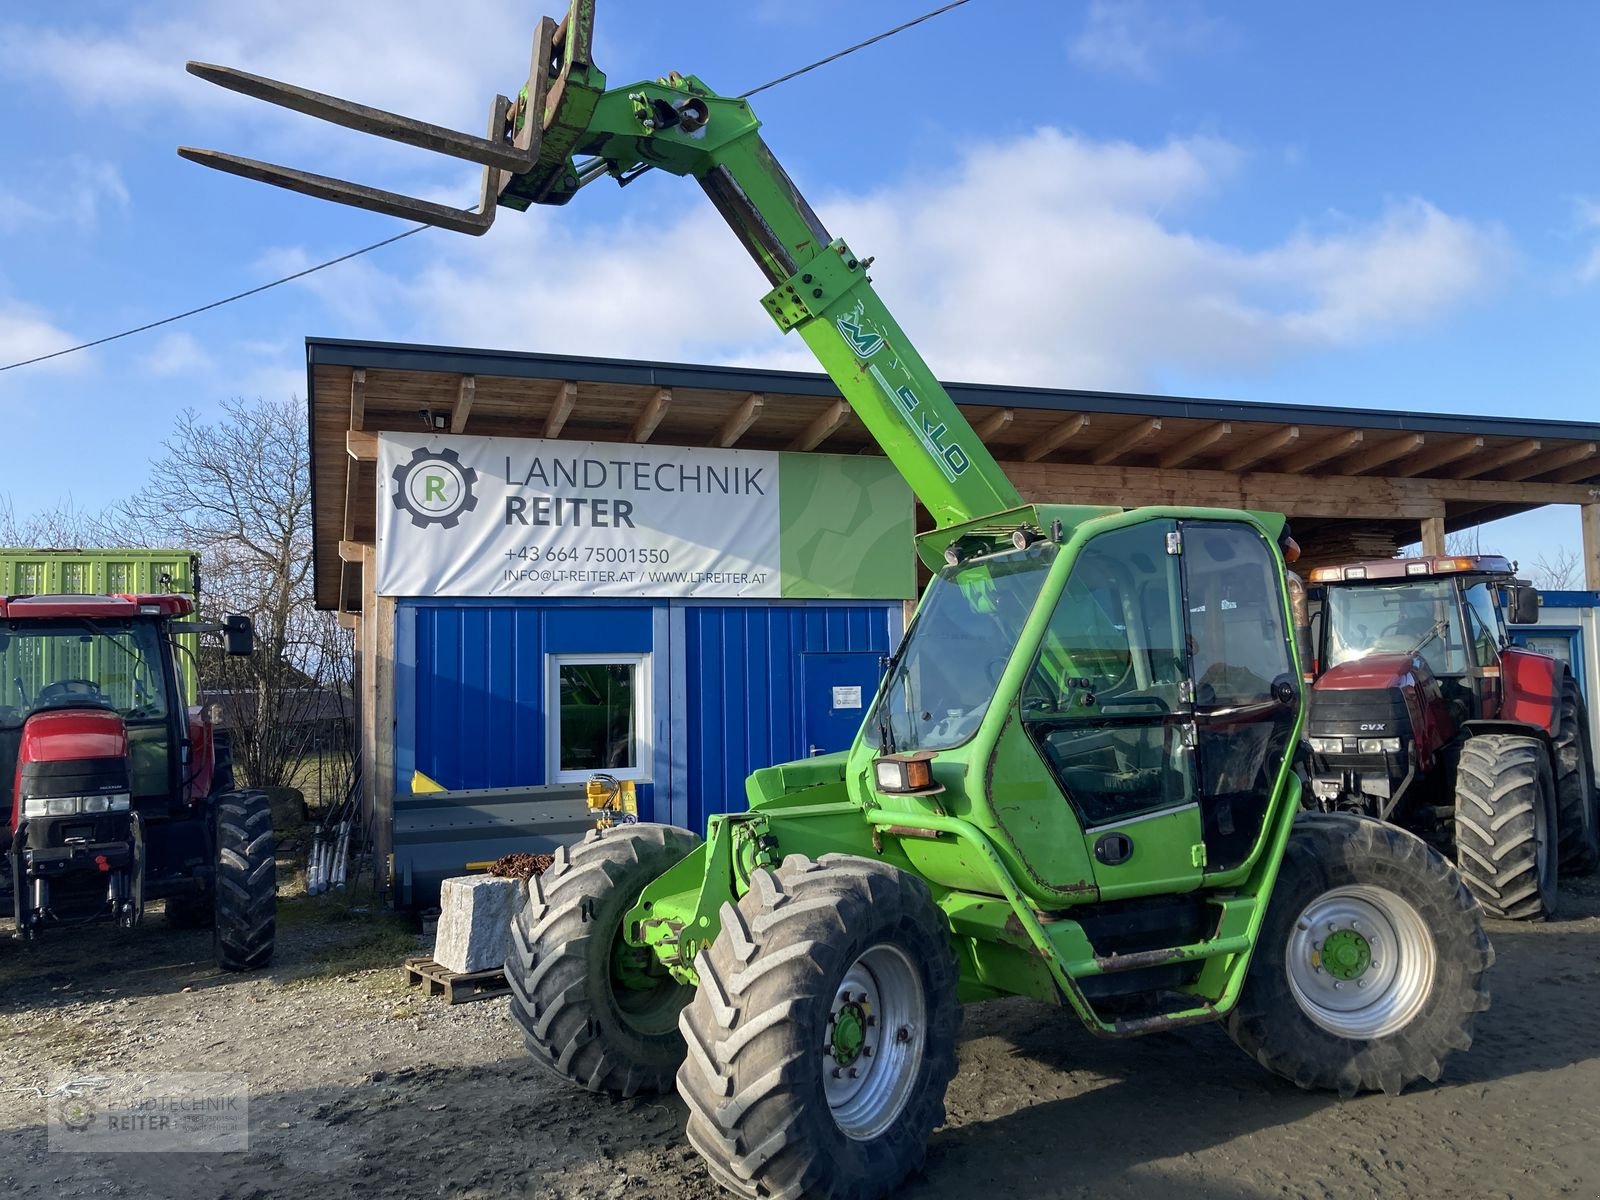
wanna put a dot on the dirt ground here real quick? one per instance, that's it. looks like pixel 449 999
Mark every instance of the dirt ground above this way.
pixel 361 1088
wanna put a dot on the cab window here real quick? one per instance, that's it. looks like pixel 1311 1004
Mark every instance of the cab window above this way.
pixel 1103 701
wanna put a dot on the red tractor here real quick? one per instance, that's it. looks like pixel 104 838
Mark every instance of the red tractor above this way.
pixel 116 789
pixel 1424 714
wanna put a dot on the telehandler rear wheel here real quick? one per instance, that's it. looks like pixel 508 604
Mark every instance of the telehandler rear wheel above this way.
pixel 1369 970
pixel 591 1009
pixel 822 1036
pixel 1576 799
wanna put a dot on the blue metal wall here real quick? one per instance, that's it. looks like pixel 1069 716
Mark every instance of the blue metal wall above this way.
pixel 745 688
pixel 479 686
pixel 730 687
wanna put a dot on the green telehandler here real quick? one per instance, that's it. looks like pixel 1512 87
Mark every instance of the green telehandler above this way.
pixel 1075 782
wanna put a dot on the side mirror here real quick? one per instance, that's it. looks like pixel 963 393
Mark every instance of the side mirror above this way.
pixel 238 635
pixel 1524 605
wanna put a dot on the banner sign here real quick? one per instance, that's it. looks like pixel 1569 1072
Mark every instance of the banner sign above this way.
pixel 486 516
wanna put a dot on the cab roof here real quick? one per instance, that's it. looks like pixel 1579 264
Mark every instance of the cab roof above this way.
pixel 1373 569
pixel 123 604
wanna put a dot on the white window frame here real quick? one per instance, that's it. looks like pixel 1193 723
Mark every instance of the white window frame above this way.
pixel 643 743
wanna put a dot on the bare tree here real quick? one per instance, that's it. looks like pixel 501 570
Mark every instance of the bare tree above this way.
pixel 238 491
pixel 1558 571
pixel 63 526
pixel 1465 541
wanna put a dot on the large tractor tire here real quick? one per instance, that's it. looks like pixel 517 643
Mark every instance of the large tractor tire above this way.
pixel 1576 799
pixel 1370 966
pixel 1506 825
pixel 823 1034
pixel 247 881
pixel 592 1009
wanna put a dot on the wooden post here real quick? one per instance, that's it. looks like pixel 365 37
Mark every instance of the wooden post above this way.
pixel 1433 535
pixel 1591 546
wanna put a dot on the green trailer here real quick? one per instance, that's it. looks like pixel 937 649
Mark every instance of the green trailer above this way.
pixel 112 571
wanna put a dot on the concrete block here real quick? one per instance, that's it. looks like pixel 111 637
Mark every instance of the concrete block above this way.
pixel 475 915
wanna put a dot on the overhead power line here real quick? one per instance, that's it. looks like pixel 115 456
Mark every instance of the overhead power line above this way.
pixel 389 241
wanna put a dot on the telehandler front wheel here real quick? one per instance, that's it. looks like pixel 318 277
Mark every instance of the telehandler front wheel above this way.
pixel 592 1009
pixel 1370 966
pixel 822 1036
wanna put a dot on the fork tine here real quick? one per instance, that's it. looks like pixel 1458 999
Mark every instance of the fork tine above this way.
pixel 342 192
pixel 366 119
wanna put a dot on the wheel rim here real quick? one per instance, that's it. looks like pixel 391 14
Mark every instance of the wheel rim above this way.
pixel 874 1042
pixel 1361 961
pixel 647 998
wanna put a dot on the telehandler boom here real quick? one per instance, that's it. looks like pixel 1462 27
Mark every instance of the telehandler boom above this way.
pixel 1074 783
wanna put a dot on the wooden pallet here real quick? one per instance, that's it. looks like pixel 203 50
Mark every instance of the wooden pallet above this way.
pixel 455 987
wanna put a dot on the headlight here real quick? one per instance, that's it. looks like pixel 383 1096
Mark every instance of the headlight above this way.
pixel 902 774
pixel 1379 745
pixel 67 806
pixel 1327 745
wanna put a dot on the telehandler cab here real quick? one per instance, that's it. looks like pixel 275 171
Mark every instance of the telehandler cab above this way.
pixel 1074 784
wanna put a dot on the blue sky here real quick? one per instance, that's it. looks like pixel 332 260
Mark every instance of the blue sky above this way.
pixel 1395 206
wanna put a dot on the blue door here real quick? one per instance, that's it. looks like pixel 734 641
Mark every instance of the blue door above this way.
pixel 838 691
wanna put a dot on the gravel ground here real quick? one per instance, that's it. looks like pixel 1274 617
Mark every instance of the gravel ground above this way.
pixel 361 1087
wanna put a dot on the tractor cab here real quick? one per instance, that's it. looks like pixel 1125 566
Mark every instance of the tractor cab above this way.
pixel 1428 632
pixel 104 760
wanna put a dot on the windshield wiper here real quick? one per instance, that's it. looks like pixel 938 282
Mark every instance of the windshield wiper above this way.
pixel 1439 629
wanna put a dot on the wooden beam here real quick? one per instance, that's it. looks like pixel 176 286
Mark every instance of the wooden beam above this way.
pixel 1056 438
pixel 464 394
pixel 1578 473
pixel 561 409
pixel 1433 535
pixel 1555 460
pixel 993 423
pixel 361 445
pixel 1193 448
pixel 822 428
pixel 347 620
pixel 352 551
pixel 1261 448
pixel 1125 441
pixel 1590 520
pixel 352 472
pixel 1384 452
pixel 650 416
pixel 1503 457
pixel 1440 455
pixel 740 419
pixel 1315 456
pixel 358 397
pixel 1376 497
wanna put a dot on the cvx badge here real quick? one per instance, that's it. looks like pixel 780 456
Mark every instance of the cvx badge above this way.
pixel 434 487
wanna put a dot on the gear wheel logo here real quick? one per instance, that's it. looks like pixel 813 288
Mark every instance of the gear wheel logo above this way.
pixel 434 487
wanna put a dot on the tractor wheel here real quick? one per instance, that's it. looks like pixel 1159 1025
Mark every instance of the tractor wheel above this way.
pixel 247 880
pixel 1370 966
pixel 592 1009
pixel 823 1034
pixel 1579 804
pixel 1506 825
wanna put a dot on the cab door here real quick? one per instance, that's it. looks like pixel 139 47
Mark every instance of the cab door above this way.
pixel 1107 706
pixel 1245 691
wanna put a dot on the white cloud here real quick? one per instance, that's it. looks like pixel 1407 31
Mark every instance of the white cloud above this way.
pixel 69 191
pixel 26 333
pixel 177 354
pixel 1077 272
pixel 435 61
pixel 1589 222
pixel 1135 37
